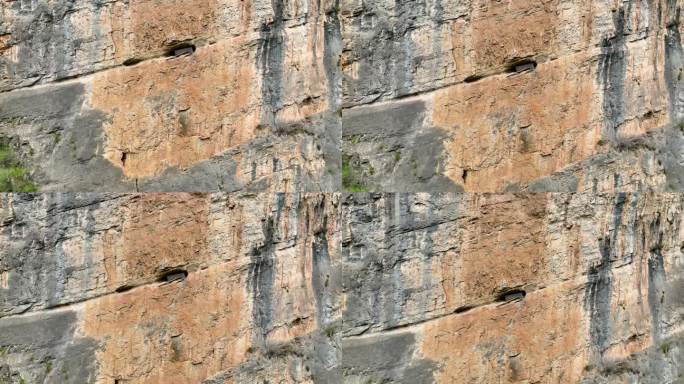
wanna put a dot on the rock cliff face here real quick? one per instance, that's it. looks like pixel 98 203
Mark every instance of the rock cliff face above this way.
pixel 304 95
pixel 173 95
pixel 93 294
pixel 353 288
pixel 341 191
pixel 492 96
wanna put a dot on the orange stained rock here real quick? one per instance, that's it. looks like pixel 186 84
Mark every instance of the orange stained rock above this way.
pixel 504 247
pixel 158 232
pixel 8 51
pixel 4 43
pixel 145 27
pixel 498 33
pixel 513 129
pixel 539 339
pixel 502 31
pixel 176 112
pixel 182 332
pixel 504 131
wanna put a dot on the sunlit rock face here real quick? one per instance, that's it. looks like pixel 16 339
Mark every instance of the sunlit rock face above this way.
pixel 320 96
pixel 341 288
pixel 179 288
pixel 559 96
pixel 341 191
pixel 215 95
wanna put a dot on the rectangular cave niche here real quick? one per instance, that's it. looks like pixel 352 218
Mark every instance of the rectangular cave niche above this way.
pixel 511 295
pixel 521 66
pixel 172 276
pixel 178 50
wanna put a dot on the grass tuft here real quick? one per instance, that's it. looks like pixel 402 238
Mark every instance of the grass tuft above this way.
pixel 13 177
pixel 350 178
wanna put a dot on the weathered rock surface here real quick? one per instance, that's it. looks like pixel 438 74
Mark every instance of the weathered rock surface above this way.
pixel 97 266
pixel 505 96
pixel 262 114
pixel 351 288
pixel 173 95
pixel 303 95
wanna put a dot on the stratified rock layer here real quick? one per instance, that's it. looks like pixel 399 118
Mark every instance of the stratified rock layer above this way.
pixel 260 269
pixel 489 96
pixel 173 95
pixel 310 96
pixel 351 288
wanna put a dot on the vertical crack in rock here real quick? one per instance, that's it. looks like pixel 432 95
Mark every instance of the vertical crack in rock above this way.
pixel 672 153
pixel 392 287
pixel 632 229
pixel 272 59
pixel 90 222
pixel 332 49
pixel 656 277
pixel 674 56
pixel 404 47
pixel 437 16
pixel 600 283
pixel 612 72
pixel 262 275
pixel 598 298
pixel 325 349
pixel 321 273
pixel 57 281
pixel 331 139
pixel 428 252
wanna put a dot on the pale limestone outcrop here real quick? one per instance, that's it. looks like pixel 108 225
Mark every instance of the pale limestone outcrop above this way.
pixel 342 288
pixel 96 97
pixel 518 170
pixel 597 108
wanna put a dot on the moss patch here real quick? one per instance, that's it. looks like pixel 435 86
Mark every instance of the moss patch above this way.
pixel 13 177
pixel 665 347
pixel 351 178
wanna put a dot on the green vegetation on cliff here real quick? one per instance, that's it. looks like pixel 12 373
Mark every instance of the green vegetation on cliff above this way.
pixel 13 177
pixel 351 176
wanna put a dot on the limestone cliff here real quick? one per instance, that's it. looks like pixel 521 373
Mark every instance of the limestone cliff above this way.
pixel 304 95
pixel 493 96
pixel 353 288
pixel 170 95
pixel 341 191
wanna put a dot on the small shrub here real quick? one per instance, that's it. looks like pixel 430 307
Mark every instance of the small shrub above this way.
pixel 13 177
pixel 350 177
pixel 330 331
pixel 665 348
